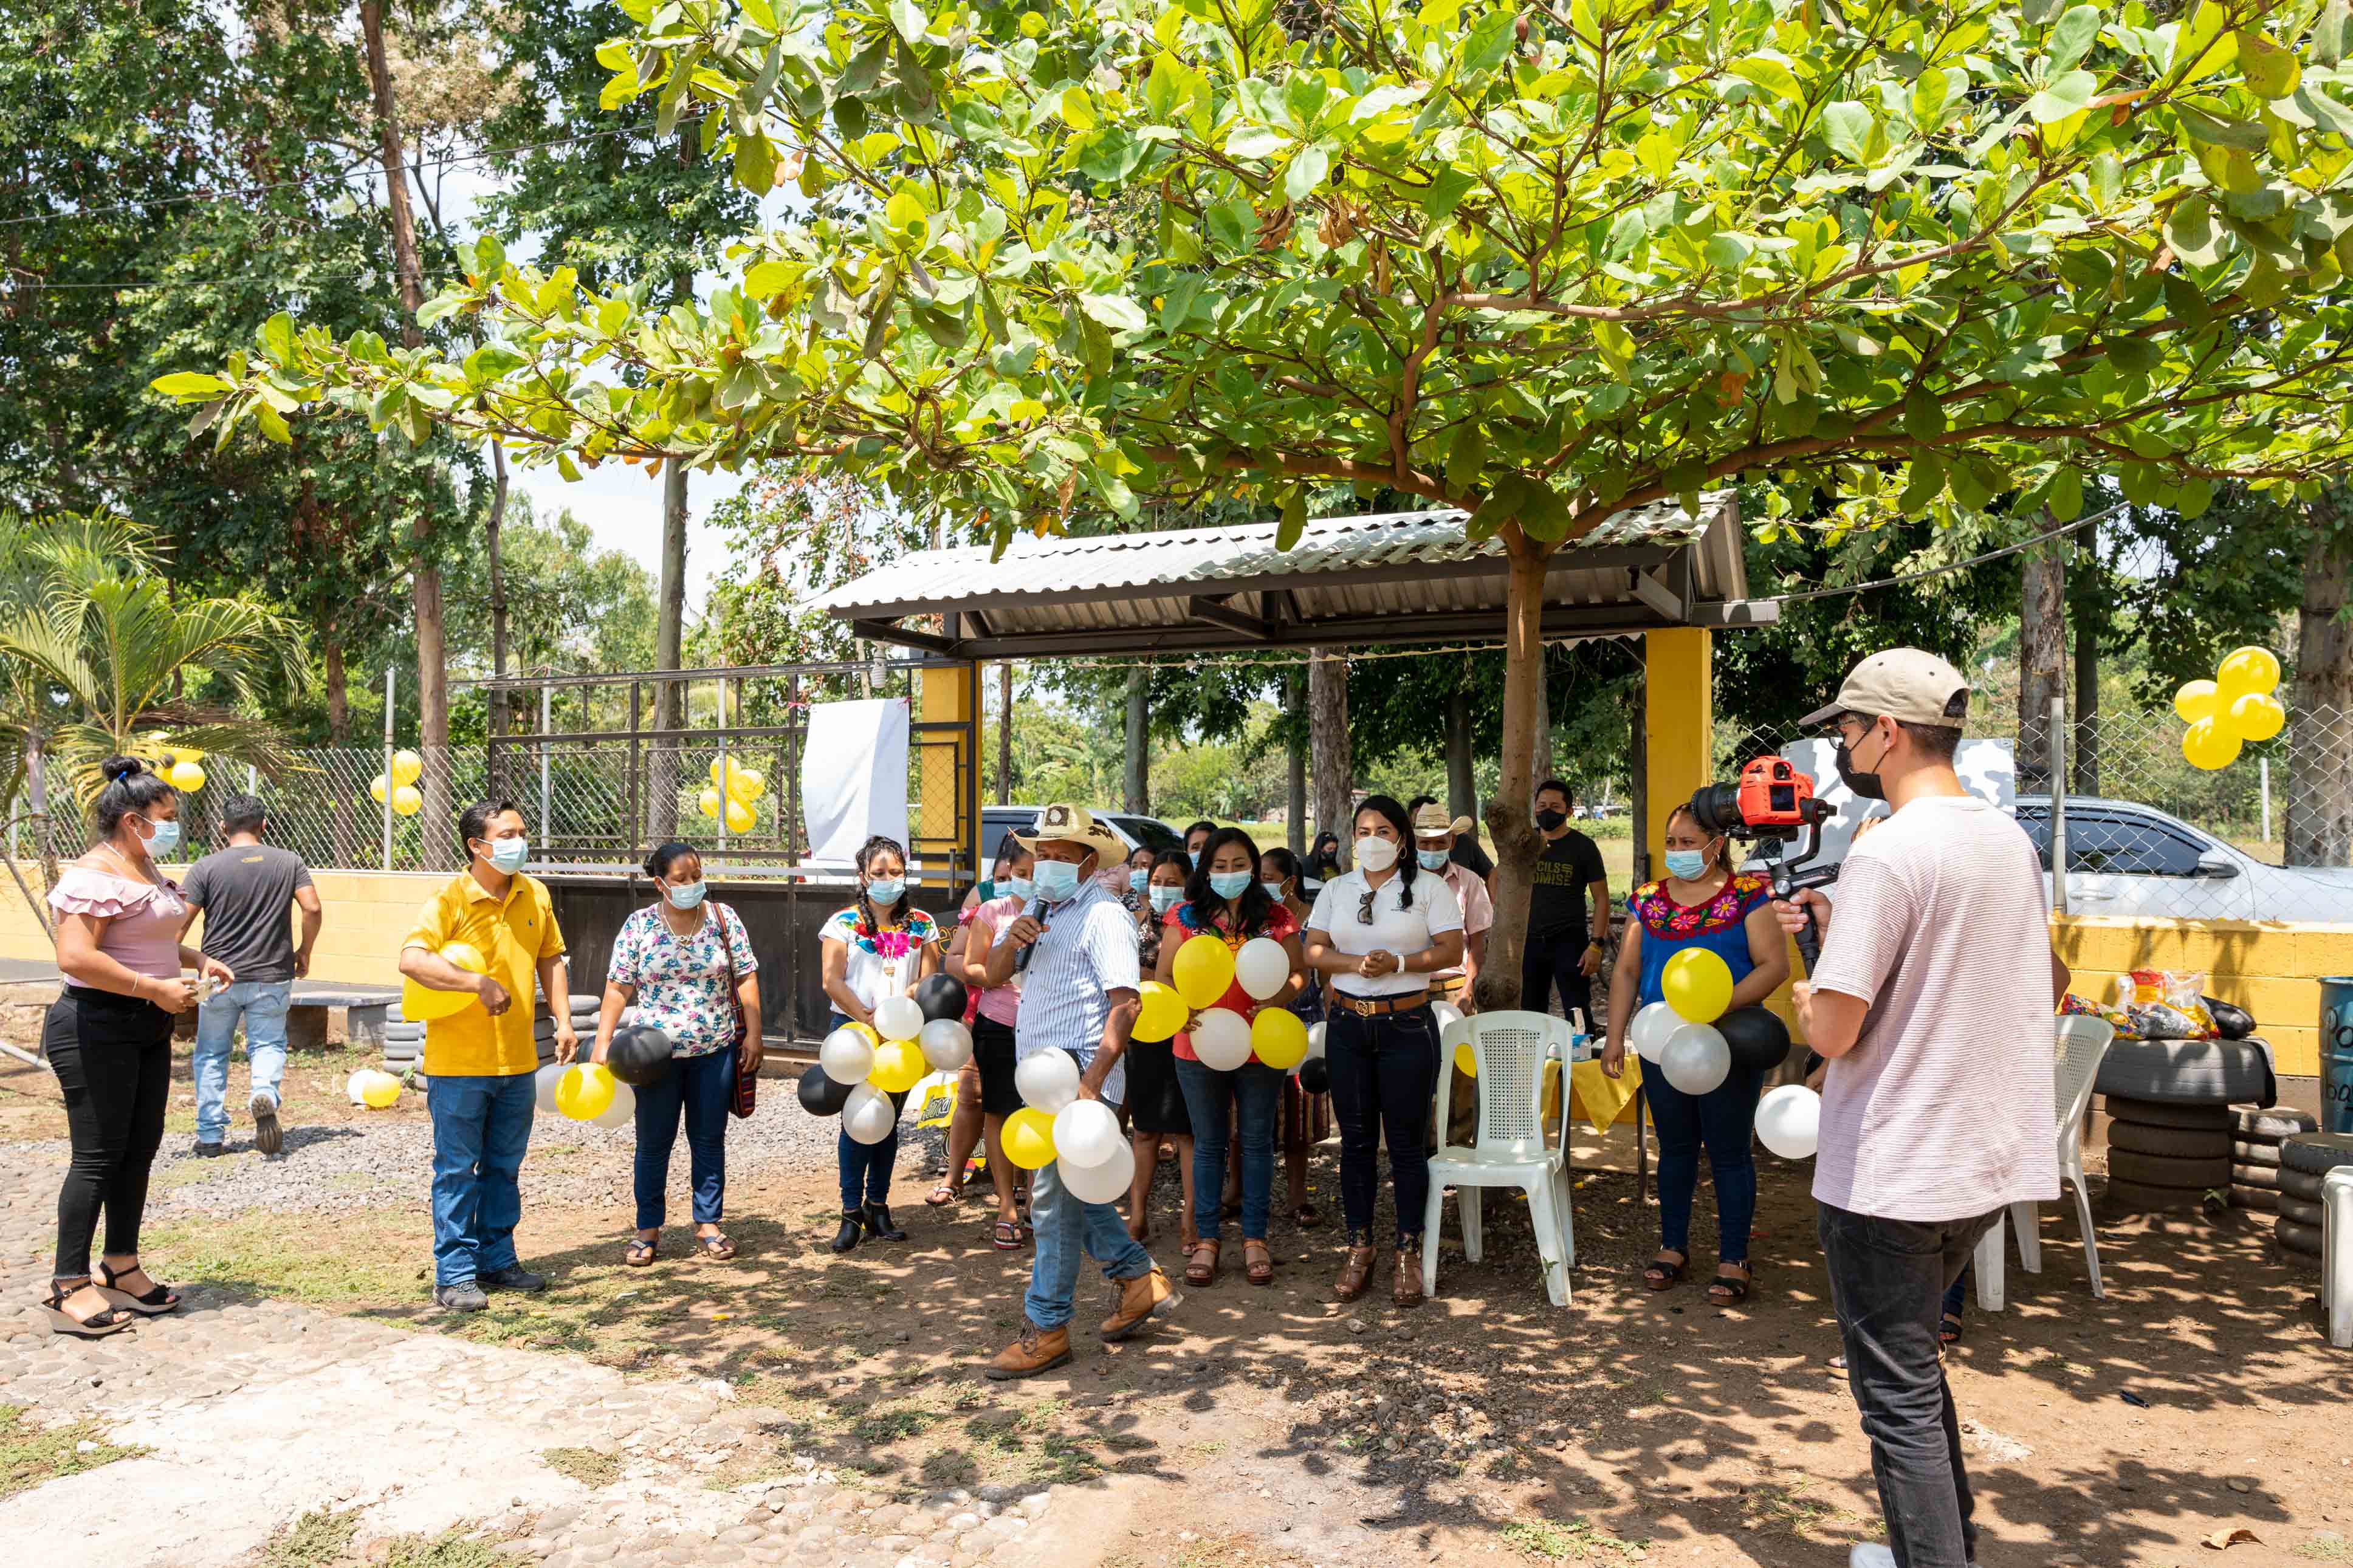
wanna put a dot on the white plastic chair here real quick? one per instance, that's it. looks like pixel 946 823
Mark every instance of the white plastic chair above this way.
pixel 2336 1255
pixel 2080 1041
pixel 1511 1049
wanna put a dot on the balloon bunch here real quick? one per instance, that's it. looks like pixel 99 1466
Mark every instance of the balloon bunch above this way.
pixel 185 774
pixel 737 788
pixel 373 1088
pixel 423 1005
pixel 586 1092
pixel 407 767
pixel 1223 1038
pixel 2235 707
pixel 861 1066
pixel 1081 1138
pixel 1678 1034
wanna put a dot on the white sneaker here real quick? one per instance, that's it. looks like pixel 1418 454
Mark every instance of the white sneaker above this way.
pixel 1870 1555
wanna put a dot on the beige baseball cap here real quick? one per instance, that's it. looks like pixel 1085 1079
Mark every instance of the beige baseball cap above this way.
pixel 1909 684
pixel 1062 822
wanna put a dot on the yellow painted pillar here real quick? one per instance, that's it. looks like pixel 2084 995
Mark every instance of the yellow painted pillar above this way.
pixel 1678 721
pixel 946 738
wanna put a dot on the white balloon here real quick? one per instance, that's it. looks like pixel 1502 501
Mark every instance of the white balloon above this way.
pixel 545 1085
pixel 1696 1058
pixel 845 1055
pixel 1263 967
pixel 1047 1080
pixel 867 1115
pixel 1221 1039
pixel 1314 1041
pixel 1647 1034
pixel 1103 1183
pixel 1789 1120
pixel 1085 1133
pixel 624 1109
pixel 897 1018
pixel 947 1044
pixel 355 1083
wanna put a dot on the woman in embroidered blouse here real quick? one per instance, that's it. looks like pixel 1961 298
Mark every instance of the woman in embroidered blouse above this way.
pixel 671 962
pixel 108 1039
pixel 1700 902
pixel 878 947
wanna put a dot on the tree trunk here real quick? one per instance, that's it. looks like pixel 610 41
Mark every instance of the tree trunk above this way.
pixel 37 789
pixel 339 733
pixel 1541 767
pixel 1294 770
pixel 1511 815
pixel 2042 657
pixel 670 624
pixel 1004 733
pixel 1327 743
pixel 492 527
pixel 2086 718
pixel 1461 785
pixel 2319 828
pixel 1138 789
pixel 437 842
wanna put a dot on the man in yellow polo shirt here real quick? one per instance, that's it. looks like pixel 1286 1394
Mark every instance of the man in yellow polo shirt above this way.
pixel 479 1063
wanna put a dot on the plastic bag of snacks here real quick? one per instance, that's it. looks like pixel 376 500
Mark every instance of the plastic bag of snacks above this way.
pixel 2165 1004
pixel 2072 1004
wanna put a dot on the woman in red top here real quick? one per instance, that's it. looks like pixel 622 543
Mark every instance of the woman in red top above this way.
pixel 1223 898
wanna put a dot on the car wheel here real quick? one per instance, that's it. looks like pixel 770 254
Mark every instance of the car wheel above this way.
pixel 2164 1171
pixel 2316 1154
pixel 2173 1143
pixel 2201 1117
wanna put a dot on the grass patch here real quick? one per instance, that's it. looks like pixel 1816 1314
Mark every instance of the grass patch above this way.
pixel 368 1259
pixel 28 1457
pixel 1576 1536
pixel 317 1539
pixel 2324 1549
pixel 587 1466
pixel 450 1549
pixel 1785 1508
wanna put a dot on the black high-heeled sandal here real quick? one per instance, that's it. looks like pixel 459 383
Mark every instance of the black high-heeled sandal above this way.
pixel 96 1326
pixel 159 1300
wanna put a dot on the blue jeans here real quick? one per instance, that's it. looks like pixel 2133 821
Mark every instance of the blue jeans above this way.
pixel 865 1168
pixel 263 1004
pixel 703 1089
pixel 1063 1225
pixel 1725 1121
pixel 1254 1091
pixel 481 1126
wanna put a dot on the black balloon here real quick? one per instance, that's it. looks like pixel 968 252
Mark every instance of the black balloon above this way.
pixel 940 997
pixel 638 1056
pixel 1316 1075
pixel 1758 1039
pixel 820 1096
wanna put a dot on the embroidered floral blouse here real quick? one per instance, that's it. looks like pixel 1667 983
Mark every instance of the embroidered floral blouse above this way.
pixel 681 982
pixel 881 962
pixel 1719 924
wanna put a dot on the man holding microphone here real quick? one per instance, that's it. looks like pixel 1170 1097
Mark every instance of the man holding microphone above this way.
pixel 1931 1002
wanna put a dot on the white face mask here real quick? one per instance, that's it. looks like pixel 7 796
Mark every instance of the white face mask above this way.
pixel 1376 854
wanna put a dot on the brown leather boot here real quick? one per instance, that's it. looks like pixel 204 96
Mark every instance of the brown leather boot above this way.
pixel 1355 1273
pixel 1148 1295
pixel 1406 1288
pixel 1037 1350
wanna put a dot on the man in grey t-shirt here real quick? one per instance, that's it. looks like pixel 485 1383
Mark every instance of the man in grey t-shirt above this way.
pixel 247 894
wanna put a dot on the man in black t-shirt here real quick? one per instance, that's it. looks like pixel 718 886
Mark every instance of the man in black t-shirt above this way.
pixel 1466 852
pixel 1568 911
pixel 247 894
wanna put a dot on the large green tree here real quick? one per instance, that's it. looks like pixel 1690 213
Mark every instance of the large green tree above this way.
pixel 1539 262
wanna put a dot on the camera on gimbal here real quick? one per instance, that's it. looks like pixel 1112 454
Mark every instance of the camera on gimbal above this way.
pixel 1773 800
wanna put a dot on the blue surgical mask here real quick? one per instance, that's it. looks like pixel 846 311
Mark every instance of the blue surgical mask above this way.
pixel 886 891
pixel 683 898
pixel 164 840
pixel 1431 860
pixel 1020 888
pixel 1273 890
pixel 1228 884
pixel 1194 856
pixel 1686 864
pixel 1165 898
pixel 1057 880
pixel 1139 877
pixel 507 854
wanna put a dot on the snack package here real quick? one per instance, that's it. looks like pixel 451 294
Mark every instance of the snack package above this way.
pixel 2164 1005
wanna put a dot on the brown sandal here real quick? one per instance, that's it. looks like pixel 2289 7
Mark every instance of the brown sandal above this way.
pixel 1201 1264
pixel 1355 1273
pixel 1258 1263
pixel 640 1252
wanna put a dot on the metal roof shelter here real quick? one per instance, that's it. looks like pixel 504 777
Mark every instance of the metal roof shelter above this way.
pixel 1391 577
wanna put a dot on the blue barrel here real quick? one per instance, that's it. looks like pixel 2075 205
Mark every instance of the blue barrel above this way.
pixel 2337 1053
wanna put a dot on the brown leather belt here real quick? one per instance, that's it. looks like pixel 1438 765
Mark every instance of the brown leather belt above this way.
pixel 1374 1006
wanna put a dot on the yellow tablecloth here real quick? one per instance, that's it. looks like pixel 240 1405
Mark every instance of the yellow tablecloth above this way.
pixel 1595 1097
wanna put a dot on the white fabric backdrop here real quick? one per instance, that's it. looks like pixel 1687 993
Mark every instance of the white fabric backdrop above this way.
pixel 854 775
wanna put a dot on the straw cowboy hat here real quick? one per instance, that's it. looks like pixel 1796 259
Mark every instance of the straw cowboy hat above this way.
pixel 1430 821
pixel 1062 823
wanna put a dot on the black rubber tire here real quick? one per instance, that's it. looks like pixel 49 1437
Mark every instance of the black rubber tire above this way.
pixel 2130 1197
pixel 2197 1072
pixel 2171 1142
pixel 2164 1171
pixel 2271 1126
pixel 2299 1185
pixel 2317 1153
pixel 2266 1177
pixel 2302 1213
pixel 2158 1113
pixel 2244 1153
pixel 2259 1198
pixel 2299 1238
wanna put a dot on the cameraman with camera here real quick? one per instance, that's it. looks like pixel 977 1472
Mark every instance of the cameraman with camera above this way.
pixel 1931 1002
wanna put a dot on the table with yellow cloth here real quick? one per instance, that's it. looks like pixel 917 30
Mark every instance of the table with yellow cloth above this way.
pixel 1594 1097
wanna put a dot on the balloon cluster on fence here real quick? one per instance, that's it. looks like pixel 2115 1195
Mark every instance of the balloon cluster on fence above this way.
pixel 407 767
pixel 186 772
pixel 734 789
pixel 861 1066
pixel 2235 707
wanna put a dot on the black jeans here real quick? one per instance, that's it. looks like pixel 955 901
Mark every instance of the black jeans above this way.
pixel 1551 962
pixel 1384 1070
pixel 113 1056
pixel 1888 1278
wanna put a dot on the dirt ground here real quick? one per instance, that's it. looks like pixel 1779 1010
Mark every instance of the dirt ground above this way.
pixel 1276 1426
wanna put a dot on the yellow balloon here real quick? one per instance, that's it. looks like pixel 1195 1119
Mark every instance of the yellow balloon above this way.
pixel 1279 1039
pixel 899 1066
pixel 1161 1015
pixel 709 801
pixel 1204 969
pixel 873 1035
pixel 380 1091
pixel 407 767
pixel 1466 1060
pixel 406 801
pixel 186 754
pixel 2247 671
pixel 2197 699
pixel 423 1005
pixel 747 785
pixel 585 1092
pixel 1697 984
pixel 378 789
pixel 186 777
pixel 1029 1138
pixel 2206 744
pixel 2257 716
pixel 465 956
pixel 741 818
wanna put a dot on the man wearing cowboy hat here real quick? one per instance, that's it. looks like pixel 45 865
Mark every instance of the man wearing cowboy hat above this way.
pixel 1074 948
pixel 1434 839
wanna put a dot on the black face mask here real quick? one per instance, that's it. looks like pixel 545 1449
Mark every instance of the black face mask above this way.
pixel 1866 787
pixel 1550 820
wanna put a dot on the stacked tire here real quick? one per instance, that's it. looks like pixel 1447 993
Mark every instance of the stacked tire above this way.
pixel 404 1040
pixel 2306 1160
pixel 2165 1156
pixel 2256 1156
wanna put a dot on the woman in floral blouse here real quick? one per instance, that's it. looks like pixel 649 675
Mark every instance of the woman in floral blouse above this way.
pixel 1700 902
pixel 672 962
pixel 878 947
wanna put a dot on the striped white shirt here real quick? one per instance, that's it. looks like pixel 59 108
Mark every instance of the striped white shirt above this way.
pixel 1943 1109
pixel 1087 953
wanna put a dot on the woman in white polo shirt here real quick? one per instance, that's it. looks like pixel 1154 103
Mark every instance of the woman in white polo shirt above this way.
pixel 1378 934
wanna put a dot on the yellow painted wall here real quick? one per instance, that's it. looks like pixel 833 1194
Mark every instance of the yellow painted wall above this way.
pixel 949 817
pixel 1678 709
